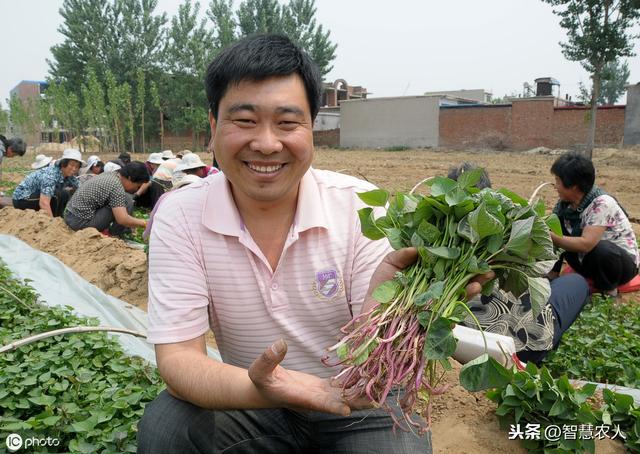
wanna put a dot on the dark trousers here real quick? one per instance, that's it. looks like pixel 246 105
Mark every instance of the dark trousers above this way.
pixel 569 295
pixel 102 219
pixel 607 264
pixel 58 202
pixel 170 425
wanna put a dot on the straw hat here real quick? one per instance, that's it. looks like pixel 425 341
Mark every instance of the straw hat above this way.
pixel 155 158
pixel 190 161
pixel 71 153
pixel 111 167
pixel 167 154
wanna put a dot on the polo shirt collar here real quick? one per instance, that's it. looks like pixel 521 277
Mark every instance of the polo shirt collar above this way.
pixel 221 213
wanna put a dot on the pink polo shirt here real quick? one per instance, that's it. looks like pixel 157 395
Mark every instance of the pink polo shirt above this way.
pixel 205 271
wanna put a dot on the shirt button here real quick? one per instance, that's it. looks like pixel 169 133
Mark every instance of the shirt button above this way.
pixel 274 286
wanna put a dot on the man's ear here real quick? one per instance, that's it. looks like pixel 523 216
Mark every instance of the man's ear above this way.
pixel 212 123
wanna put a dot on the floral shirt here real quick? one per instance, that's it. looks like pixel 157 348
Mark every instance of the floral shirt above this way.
pixel 45 182
pixel 604 211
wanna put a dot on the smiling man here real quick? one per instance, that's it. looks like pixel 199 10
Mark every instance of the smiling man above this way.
pixel 268 250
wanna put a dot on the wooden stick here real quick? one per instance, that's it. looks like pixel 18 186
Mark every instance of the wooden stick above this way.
pixel 74 329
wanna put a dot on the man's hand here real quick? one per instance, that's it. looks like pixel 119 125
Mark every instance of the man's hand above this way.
pixel 295 390
pixel 398 260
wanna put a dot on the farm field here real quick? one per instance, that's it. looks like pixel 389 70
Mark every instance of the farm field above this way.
pixel 463 422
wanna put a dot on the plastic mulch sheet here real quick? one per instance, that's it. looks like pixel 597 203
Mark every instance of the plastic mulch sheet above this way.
pixel 59 285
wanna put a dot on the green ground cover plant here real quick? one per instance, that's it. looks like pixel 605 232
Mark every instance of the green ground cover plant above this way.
pixel 79 388
pixel 603 345
pixel 534 397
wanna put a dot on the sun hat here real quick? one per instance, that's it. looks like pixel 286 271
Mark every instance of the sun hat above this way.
pixel 111 167
pixel 183 153
pixel 155 158
pixel 92 160
pixel 41 161
pixel 71 153
pixel 185 180
pixel 190 161
pixel 167 154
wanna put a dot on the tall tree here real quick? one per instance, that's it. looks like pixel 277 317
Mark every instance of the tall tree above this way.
pixel 157 103
pixel 94 108
pixel 187 53
pixel 598 32
pixel 141 104
pixel 615 76
pixel 295 19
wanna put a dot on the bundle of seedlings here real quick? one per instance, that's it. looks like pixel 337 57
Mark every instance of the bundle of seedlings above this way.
pixel 401 346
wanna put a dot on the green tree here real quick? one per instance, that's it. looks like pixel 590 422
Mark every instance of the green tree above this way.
pixel 598 32
pixel 141 104
pixel 157 103
pixel 295 19
pixel 115 110
pixel 64 112
pixel 4 121
pixel 21 115
pixel 94 107
pixel 188 52
pixel 615 77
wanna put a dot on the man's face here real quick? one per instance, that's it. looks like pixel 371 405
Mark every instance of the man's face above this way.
pixel 8 152
pixel 263 138
pixel 71 169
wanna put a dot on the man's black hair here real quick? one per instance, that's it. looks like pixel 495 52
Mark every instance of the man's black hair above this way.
pixel 575 169
pixel 455 172
pixel 259 57
pixel 136 171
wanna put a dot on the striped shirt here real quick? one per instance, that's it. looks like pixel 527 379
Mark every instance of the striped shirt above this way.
pixel 45 182
pixel 205 271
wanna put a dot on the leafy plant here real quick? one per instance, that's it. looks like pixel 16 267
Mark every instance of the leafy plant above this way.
pixel 459 232
pixel 80 389
pixel 533 397
pixel 602 345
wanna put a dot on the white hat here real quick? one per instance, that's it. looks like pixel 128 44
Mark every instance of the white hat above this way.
pixel 41 161
pixel 182 153
pixel 92 160
pixel 167 154
pixel 155 158
pixel 111 167
pixel 71 153
pixel 190 161
pixel 185 180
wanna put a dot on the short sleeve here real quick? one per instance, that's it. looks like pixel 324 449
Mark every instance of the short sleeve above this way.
pixel 178 292
pixel 117 196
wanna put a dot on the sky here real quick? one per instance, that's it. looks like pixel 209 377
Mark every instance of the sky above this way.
pixel 398 48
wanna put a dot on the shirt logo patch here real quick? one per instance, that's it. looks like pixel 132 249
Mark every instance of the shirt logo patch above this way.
pixel 328 284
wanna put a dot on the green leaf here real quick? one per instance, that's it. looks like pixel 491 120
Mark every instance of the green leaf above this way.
pixel 539 293
pixel 342 351
pixel 395 238
pixel 515 198
pixel 42 400
pixel 386 291
pixel 484 223
pixel 465 231
pixel 429 232
pixel 434 291
pixel 416 240
pixel 455 197
pixel 85 425
pixel 470 178
pixel 539 208
pixel 440 342
pixel 520 239
pixel 449 253
pixel 553 222
pixel 375 198
pixel 441 186
pixel 483 373
pixel 51 420
pixel 368 224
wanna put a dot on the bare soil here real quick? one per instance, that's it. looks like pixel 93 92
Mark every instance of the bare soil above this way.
pixel 463 422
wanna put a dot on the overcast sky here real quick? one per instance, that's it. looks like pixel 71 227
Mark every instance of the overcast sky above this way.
pixel 393 48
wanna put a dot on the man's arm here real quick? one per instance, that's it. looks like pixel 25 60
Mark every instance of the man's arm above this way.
pixel 192 376
pixel 45 204
pixel 591 235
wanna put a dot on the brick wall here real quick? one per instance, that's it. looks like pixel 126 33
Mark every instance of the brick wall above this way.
pixel 526 124
pixel 571 125
pixel 327 138
pixel 462 127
